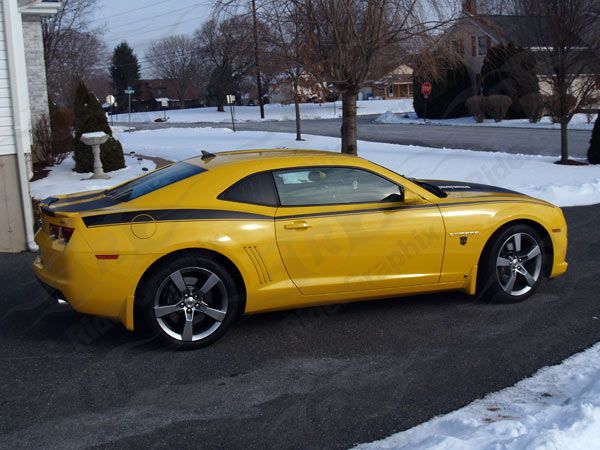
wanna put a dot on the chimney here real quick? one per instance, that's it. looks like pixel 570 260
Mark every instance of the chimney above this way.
pixel 469 7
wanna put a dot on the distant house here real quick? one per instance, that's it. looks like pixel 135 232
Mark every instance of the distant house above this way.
pixel 151 91
pixel 397 84
pixel 23 100
pixel 473 34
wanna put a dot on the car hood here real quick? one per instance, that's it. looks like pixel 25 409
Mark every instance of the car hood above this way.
pixel 462 189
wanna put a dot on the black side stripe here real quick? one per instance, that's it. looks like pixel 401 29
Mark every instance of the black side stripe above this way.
pixel 165 215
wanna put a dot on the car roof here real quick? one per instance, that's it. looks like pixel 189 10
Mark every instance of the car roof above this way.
pixel 250 157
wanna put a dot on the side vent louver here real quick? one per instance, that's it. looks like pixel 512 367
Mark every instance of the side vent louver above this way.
pixel 259 264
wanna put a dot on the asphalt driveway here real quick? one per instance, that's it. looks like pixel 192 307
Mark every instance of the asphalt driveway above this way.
pixel 314 378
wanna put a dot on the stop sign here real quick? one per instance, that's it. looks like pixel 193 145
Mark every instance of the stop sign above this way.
pixel 426 89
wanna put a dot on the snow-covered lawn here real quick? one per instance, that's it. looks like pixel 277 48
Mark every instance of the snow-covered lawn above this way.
pixel 273 112
pixel 579 121
pixel 533 175
pixel 556 409
pixel 62 179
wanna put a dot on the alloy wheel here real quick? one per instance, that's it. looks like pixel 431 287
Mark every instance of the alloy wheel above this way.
pixel 191 304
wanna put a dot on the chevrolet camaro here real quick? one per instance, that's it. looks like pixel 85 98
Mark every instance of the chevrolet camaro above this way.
pixel 185 250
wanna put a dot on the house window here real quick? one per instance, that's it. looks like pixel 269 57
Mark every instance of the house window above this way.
pixel 482 45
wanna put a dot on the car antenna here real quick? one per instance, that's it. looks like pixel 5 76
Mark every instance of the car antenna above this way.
pixel 207 155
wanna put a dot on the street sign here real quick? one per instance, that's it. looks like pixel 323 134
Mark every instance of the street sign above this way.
pixel 164 102
pixel 110 100
pixel 426 89
pixel 230 99
pixel 129 91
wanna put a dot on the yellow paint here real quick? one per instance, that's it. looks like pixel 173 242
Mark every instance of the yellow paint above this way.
pixel 345 253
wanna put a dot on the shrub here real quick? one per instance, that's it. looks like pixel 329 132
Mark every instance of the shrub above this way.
pixel 510 70
pixel 90 117
pixel 496 106
pixel 475 108
pixel 41 141
pixel 61 124
pixel 532 106
pixel 449 94
pixel 552 104
pixel 593 153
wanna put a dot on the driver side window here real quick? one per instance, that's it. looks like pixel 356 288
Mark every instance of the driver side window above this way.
pixel 331 186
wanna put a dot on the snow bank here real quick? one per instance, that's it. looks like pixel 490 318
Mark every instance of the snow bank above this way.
pixel 579 122
pixel 273 112
pixel 62 179
pixel 557 408
pixel 537 176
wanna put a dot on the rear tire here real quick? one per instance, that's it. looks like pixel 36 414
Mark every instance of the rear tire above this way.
pixel 189 301
pixel 514 265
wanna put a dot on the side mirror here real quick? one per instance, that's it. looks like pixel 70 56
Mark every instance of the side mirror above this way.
pixel 410 198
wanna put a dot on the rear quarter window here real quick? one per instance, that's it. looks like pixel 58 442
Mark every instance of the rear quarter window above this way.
pixel 257 189
pixel 155 180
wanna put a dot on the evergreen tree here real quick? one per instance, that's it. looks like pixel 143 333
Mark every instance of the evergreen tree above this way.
pixel 449 93
pixel 512 71
pixel 125 72
pixel 593 154
pixel 90 117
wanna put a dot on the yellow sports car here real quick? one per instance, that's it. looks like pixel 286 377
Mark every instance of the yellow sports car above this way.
pixel 188 248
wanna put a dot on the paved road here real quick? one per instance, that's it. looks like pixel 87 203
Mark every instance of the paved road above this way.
pixel 314 378
pixel 512 140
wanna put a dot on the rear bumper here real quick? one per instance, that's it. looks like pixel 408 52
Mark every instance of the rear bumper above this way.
pixel 98 287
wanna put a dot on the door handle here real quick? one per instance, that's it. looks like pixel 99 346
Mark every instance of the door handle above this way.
pixel 297 225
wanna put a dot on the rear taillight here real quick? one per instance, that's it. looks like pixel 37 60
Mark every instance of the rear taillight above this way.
pixel 53 231
pixel 64 233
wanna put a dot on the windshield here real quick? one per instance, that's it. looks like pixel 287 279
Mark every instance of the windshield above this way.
pixel 154 181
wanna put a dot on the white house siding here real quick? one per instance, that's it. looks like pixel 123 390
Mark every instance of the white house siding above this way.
pixel 7 134
pixel 12 226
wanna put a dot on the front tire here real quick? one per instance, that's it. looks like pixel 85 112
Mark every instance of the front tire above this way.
pixel 189 301
pixel 514 265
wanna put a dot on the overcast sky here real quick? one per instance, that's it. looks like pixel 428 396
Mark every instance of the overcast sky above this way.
pixel 140 22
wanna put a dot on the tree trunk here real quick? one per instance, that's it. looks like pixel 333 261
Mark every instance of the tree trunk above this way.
pixel 221 106
pixel 564 141
pixel 297 109
pixel 349 145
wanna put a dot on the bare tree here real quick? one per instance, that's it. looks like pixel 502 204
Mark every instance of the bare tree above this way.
pixel 175 58
pixel 70 42
pixel 286 49
pixel 356 40
pixel 82 56
pixel 225 52
pixel 566 40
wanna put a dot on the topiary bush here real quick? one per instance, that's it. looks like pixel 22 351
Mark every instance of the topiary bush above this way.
pixel 475 108
pixel 593 153
pixel 533 106
pixel 449 94
pixel 90 117
pixel 496 106
pixel 512 71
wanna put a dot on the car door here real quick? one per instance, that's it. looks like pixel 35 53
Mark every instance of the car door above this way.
pixel 343 229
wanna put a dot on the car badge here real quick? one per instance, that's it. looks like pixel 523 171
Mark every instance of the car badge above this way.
pixel 463 240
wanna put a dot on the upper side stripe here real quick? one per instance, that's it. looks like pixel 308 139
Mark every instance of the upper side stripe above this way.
pixel 164 215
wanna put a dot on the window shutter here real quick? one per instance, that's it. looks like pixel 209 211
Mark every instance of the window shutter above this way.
pixel 473 46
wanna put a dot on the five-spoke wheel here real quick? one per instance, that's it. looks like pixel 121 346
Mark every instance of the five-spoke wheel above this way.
pixel 189 300
pixel 513 264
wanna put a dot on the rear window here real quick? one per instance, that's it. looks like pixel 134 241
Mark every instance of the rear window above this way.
pixel 154 181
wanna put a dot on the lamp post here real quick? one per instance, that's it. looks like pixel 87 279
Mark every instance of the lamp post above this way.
pixel 95 140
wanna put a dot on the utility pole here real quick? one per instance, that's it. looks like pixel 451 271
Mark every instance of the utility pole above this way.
pixel 256 60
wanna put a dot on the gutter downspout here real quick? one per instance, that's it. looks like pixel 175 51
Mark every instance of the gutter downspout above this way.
pixel 21 111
